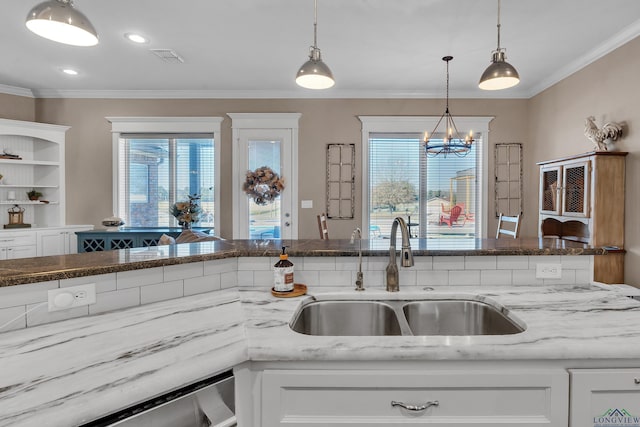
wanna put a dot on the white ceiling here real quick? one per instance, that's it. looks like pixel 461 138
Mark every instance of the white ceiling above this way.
pixel 253 48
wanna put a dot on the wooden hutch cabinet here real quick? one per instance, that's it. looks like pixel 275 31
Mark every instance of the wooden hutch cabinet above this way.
pixel 582 198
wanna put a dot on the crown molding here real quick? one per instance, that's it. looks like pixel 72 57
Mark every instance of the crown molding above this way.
pixel 624 36
pixel 269 94
pixel 18 91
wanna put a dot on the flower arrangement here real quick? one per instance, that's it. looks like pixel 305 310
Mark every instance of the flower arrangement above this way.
pixel 187 212
pixel 263 185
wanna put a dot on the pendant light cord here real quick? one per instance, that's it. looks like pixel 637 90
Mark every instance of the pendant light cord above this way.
pixel 447 84
pixel 315 24
pixel 498 26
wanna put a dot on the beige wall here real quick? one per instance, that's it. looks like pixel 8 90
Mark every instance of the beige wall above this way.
pixel 323 121
pixel 17 107
pixel 609 90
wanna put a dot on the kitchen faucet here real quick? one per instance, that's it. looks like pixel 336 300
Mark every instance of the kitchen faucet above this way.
pixel 359 279
pixel 393 281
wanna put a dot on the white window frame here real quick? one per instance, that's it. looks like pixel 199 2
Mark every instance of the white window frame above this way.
pixel 420 124
pixel 178 125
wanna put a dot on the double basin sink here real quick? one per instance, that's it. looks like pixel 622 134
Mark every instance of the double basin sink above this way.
pixel 433 316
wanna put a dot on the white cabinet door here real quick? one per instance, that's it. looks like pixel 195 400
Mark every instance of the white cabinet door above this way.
pixel 52 242
pixel 21 252
pixel 454 398
pixel 17 244
pixel 72 238
pixel 59 241
pixel 605 397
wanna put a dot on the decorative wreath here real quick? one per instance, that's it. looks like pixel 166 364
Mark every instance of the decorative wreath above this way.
pixel 263 185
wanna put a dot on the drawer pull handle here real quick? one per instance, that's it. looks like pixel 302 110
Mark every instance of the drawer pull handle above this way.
pixel 414 407
pixel 636 380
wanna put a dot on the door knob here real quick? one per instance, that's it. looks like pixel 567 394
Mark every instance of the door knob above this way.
pixel 287 224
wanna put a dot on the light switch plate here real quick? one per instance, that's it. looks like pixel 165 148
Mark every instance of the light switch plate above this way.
pixel 548 271
pixel 306 204
pixel 73 296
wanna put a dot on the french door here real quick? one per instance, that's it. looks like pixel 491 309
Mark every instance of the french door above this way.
pixel 274 148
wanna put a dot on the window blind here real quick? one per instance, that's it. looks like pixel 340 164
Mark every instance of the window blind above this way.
pixel 437 196
pixel 157 170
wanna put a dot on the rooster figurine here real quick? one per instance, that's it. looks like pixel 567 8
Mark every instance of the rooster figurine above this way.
pixel 610 130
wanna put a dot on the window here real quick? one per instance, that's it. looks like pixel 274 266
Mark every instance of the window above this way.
pixel 439 197
pixel 157 171
pixel 153 170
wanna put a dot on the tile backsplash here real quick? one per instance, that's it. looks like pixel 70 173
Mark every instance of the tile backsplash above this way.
pixel 137 287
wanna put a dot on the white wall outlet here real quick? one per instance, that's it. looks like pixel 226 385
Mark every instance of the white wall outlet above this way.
pixel 306 204
pixel 548 271
pixel 73 296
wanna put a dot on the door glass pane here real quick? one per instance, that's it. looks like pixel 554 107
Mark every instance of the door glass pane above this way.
pixel 264 220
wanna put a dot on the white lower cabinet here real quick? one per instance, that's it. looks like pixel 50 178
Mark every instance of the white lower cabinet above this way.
pixel 438 398
pixel 605 397
pixel 40 242
pixel 17 244
pixel 59 241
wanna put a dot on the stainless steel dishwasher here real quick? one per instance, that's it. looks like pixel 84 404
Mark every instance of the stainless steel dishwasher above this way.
pixel 207 403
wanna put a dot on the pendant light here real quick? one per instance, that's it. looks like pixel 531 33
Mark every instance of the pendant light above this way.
pixel 500 74
pixel 315 74
pixel 452 142
pixel 59 21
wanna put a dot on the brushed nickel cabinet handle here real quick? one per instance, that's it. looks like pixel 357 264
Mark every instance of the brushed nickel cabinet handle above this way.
pixel 415 408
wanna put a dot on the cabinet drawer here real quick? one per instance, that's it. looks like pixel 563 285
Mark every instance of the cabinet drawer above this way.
pixel 605 397
pixel 17 238
pixel 464 398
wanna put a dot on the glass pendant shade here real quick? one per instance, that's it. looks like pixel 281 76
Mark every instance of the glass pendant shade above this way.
pixel 315 74
pixel 59 21
pixel 499 75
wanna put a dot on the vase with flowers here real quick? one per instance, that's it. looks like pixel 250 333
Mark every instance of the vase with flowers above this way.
pixel 187 212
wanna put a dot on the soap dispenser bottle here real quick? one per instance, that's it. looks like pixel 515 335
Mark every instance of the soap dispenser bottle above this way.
pixel 283 273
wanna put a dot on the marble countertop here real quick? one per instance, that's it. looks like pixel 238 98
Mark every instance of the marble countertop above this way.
pixel 563 322
pixel 65 373
pixel 40 269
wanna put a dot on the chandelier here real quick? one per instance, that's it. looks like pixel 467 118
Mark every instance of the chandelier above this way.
pixel 451 142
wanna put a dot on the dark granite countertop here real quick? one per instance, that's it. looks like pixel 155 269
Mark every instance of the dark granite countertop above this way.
pixel 40 269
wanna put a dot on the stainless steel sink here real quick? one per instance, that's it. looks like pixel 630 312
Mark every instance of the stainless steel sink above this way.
pixel 444 316
pixel 457 317
pixel 354 318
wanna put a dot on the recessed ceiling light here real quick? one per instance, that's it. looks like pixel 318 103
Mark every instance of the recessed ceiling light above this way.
pixel 136 38
pixel 70 71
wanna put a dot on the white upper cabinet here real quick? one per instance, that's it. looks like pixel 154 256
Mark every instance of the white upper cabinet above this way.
pixel 32 158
